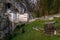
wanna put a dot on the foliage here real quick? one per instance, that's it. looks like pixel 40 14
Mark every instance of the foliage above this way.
pixel 48 7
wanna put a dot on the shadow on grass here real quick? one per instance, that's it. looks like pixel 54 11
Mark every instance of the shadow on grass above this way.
pixel 18 30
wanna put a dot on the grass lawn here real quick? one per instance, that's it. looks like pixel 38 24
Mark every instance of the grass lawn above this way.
pixel 31 34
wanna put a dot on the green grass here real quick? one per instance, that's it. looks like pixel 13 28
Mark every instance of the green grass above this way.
pixel 31 34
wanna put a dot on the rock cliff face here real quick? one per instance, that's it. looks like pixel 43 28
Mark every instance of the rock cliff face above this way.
pixel 25 4
pixel 4 25
pixel 23 7
pixel 28 5
pixel 32 4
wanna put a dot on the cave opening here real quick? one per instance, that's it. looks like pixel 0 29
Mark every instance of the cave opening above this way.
pixel 8 5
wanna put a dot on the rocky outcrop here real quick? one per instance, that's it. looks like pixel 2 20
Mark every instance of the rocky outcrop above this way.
pixel 23 7
pixel 4 21
pixel 29 5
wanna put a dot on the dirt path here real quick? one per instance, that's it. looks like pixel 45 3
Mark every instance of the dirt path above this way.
pixel 31 20
pixel 50 17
